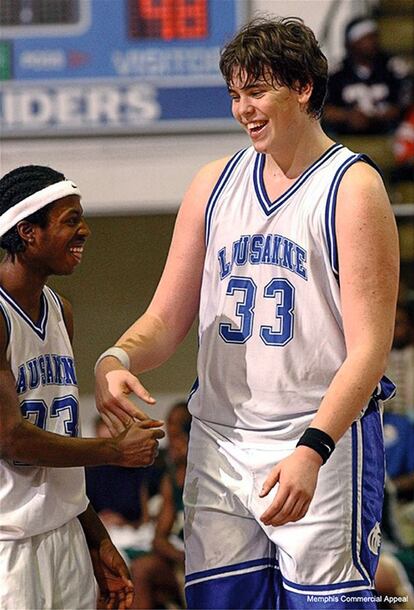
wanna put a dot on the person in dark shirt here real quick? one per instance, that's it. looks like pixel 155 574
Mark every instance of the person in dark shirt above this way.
pixel 118 494
pixel 370 90
pixel 159 576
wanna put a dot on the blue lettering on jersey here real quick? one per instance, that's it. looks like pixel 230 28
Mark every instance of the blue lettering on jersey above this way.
pixel 48 369
pixel 258 249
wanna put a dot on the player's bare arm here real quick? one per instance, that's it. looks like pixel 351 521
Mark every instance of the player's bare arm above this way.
pixel 23 441
pixel 116 589
pixel 155 336
pixel 368 269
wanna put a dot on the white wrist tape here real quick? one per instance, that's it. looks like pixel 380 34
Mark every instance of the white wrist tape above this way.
pixel 116 352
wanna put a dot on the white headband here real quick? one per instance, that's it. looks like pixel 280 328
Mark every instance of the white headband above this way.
pixel 361 29
pixel 35 202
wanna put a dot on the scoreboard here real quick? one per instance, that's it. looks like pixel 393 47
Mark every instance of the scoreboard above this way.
pixel 70 67
pixel 168 19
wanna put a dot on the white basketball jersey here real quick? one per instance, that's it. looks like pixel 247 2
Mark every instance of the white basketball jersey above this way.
pixel 34 500
pixel 270 331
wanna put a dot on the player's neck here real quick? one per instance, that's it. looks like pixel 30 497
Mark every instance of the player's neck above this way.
pixel 24 286
pixel 303 149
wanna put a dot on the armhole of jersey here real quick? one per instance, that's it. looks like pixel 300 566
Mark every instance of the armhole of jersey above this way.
pixel 8 324
pixel 218 188
pixel 330 210
pixel 56 298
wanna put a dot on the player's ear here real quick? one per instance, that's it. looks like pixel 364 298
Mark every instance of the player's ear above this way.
pixel 304 93
pixel 25 230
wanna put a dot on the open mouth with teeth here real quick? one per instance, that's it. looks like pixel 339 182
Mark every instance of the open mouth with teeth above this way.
pixel 76 252
pixel 255 128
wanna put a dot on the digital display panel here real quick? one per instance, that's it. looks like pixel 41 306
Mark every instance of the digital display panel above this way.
pixel 114 66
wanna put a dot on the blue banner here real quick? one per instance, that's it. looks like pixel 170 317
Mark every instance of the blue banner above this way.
pixel 76 67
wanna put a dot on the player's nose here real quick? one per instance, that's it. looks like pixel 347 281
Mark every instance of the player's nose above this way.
pixel 84 229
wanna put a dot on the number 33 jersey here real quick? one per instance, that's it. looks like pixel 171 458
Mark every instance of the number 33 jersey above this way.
pixel 270 330
pixel 33 499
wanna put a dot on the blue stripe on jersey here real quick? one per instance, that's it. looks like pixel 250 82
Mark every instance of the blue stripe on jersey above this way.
pixel 267 205
pixel 193 389
pixel 8 324
pixel 219 186
pixel 40 327
pixel 330 211
pixel 57 300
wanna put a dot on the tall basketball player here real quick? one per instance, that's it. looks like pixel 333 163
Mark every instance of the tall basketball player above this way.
pixel 51 541
pixel 288 253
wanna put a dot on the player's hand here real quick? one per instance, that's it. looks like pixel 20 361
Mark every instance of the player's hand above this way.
pixel 297 476
pixel 138 444
pixel 113 385
pixel 116 590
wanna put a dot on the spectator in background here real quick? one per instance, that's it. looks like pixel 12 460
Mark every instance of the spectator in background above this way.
pixel 120 497
pixel 404 147
pixel 401 363
pixel 159 576
pixel 399 443
pixel 395 572
pixel 369 91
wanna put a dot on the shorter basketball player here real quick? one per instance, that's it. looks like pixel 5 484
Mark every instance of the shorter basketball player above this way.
pixel 51 541
pixel 288 252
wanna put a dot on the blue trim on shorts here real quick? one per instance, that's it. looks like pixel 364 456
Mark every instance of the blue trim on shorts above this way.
pixel 368 512
pixel 351 584
pixel 364 599
pixel 265 562
pixel 236 586
pixel 356 508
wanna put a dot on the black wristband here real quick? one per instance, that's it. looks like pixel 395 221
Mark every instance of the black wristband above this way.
pixel 319 441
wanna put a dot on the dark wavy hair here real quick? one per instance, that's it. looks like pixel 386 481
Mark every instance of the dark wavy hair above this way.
pixel 16 186
pixel 281 51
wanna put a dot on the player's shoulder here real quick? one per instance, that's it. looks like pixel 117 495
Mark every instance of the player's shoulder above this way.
pixel 212 171
pixel 203 184
pixel 362 174
pixel 362 193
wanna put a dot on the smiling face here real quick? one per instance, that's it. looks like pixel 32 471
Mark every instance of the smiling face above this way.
pixel 268 112
pixel 57 248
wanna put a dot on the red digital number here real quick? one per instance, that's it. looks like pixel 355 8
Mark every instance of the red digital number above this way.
pixel 171 19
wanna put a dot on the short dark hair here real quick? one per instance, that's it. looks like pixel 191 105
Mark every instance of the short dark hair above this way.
pixel 284 49
pixel 16 186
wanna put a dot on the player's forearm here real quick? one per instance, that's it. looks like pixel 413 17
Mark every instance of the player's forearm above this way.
pixel 349 392
pixel 149 342
pixel 94 530
pixel 27 443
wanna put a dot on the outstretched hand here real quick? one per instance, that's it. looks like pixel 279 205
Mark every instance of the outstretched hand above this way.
pixel 116 590
pixel 113 386
pixel 297 476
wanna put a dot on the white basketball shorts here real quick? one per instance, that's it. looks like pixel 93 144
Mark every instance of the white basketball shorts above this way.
pixel 47 571
pixel 326 560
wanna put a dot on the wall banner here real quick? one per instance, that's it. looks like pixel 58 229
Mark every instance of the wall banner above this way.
pixel 76 67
